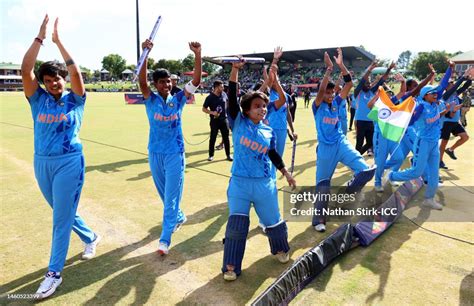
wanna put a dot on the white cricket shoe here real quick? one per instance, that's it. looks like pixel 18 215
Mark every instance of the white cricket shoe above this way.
pixel 230 276
pixel 283 257
pixel 90 248
pixel 163 249
pixel 49 285
pixel 320 227
pixel 431 203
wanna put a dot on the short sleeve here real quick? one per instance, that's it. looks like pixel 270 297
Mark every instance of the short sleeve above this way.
pixel 36 96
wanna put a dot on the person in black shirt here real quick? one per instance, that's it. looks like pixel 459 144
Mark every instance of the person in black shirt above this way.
pixel 174 84
pixel 215 106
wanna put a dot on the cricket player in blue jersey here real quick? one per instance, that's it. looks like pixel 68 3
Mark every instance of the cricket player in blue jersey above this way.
pixel 342 107
pixel 252 180
pixel 58 161
pixel 278 115
pixel 451 122
pixel 426 118
pixel 408 140
pixel 383 146
pixel 333 146
pixel 166 143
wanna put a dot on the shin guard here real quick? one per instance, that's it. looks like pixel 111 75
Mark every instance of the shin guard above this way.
pixel 234 242
pixel 360 179
pixel 278 238
pixel 320 206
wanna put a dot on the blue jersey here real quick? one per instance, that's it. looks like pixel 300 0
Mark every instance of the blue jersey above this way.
pixel 326 117
pixel 252 142
pixel 453 100
pixel 56 123
pixel 428 124
pixel 362 110
pixel 166 135
pixel 343 109
pixel 277 117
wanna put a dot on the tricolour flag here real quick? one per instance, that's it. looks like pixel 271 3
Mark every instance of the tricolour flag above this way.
pixel 392 119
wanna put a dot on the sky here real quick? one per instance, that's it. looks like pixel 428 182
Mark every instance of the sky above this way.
pixel 92 29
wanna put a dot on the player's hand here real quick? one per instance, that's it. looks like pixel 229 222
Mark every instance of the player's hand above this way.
pixel 42 30
pixel 55 32
pixel 295 136
pixel 240 64
pixel 339 59
pixel 431 68
pixel 195 47
pixel 277 53
pixel 327 61
pixel 147 44
pixel 291 181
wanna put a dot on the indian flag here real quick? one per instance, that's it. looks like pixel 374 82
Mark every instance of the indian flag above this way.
pixel 392 119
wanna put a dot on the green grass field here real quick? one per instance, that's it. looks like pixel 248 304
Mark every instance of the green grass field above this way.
pixel 407 265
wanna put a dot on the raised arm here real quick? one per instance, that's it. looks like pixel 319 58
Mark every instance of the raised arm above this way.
pixel 191 87
pixel 374 99
pixel 365 78
pixel 383 78
pixel 142 74
pixel 324 83
pixel 423 83
pixel 445 80
pixel 403 85
pixel 468 75
pixel 77 84
pixel 265 83
pixel 345 74
pixel 277 86
pixel 234 107
pixel 30 83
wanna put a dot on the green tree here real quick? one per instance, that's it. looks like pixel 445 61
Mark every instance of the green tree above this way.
pixel 173 66
pixel 209 67
pixel 86 71
pixel 188 62
pixel 437 58
pixel 115 64
pixel 151 63
pixel 404 59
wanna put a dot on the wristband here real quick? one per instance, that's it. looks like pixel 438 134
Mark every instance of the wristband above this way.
pixel 190 87
pixel 347 78
pixel 39 40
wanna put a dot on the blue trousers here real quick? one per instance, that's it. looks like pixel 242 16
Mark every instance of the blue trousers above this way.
pixel 328 156
pixel 262 192
pixel 60 179
pixel 168 175
pixel 401 152
pixel 382 147
pixel 425 162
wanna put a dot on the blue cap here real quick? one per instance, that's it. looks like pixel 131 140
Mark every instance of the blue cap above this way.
pixel 427 89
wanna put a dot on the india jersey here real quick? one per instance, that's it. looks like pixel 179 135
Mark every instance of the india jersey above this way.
pixel 277 117
pixel 453 100
pixel 252 142
pixel 428 125
pixel 326 117
pixel 164 117
pixel 56 123
pixel 362 110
